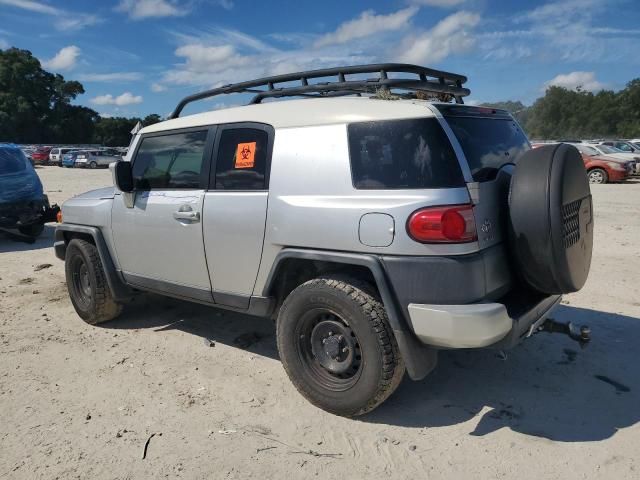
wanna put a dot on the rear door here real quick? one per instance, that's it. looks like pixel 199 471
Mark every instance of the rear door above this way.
pixel 488 141
pixel 235 210
pixel 159 240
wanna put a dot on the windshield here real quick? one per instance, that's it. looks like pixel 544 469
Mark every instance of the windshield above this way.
pixel 609 150
pixel 12 161
pixel 488 143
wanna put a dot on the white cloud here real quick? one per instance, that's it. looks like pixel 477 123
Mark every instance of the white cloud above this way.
pixel 439 3
pixel 572 81
pixel 562 31
pixel 106 115
pixel 226 4
pixel 3 44
pixel 32 6
pixel 65 20
pixel 110 77
pixel 65 59
pixel 367 24
pixel 127 98
pixel 157 87
pixel 451 35
pixel 140 9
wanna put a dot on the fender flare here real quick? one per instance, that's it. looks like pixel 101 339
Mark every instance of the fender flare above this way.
pixel 119 290
pixel 419 359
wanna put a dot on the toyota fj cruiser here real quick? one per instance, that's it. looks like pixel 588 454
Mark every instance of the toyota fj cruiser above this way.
pixel 375 229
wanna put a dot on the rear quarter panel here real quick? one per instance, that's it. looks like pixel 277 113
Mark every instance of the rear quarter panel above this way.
pixel 313 204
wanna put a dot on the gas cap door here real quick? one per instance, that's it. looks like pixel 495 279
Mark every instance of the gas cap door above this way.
pixel 376 229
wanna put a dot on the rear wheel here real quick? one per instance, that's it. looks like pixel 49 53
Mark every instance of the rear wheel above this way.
pixel 93 165
pixel 598 175
pixel 337 347
pixel 87 285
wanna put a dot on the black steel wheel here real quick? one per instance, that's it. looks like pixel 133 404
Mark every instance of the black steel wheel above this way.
pixel 329 350
pixel 337 347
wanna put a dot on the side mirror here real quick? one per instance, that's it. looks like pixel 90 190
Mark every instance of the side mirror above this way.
pixel 123 176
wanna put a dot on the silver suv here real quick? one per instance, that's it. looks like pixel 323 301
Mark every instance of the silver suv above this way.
pixel 375 229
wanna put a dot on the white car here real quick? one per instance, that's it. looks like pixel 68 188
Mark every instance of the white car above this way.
pixel 56 154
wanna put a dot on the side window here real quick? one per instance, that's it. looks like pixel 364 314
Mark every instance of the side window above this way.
pixel 241 163
pixel 170 161
pixel 402 154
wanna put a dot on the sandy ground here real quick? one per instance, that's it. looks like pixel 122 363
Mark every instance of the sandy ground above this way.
pixel 78 401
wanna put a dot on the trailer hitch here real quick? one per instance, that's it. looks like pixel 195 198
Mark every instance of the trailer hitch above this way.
pixel 581 335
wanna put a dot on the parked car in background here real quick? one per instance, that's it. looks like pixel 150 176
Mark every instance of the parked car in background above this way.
pixel 23 204
pixel 89 159
pixel 28 152
pixel 623 145
pixel 41 155
pixel 56 153
pixel 604 169
pixel 612 153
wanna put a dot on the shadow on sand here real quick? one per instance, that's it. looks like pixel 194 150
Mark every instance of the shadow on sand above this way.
pixel 547 387
pixel 10 242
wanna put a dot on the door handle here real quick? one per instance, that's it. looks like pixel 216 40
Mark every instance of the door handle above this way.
pixel 187 215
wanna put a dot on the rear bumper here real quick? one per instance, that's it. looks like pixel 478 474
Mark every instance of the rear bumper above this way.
pixel 500 324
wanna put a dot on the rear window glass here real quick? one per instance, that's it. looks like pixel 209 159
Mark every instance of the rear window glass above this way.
pixel 401 154
pixel 12 161
pixel 488 143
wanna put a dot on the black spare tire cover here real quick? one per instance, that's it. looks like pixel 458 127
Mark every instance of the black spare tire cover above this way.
pixel 551 219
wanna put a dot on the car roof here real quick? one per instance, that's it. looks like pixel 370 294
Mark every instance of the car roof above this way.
pixel 303 113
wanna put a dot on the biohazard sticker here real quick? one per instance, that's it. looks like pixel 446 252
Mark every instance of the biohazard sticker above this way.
pixel 246 155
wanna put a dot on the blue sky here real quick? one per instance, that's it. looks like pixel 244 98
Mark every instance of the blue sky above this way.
pixel 136 57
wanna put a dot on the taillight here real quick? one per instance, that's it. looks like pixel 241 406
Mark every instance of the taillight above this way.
pixel 446 224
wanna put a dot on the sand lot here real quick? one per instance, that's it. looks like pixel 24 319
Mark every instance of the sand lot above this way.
pixel 78 401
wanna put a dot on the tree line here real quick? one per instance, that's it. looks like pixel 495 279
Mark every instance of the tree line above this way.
pixel 35 107
pixel 563 113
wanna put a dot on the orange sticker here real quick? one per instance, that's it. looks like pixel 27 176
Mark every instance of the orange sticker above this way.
pixel 246 155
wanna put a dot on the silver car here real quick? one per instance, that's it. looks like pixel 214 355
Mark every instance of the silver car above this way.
pixel 375 230
pixel 95 159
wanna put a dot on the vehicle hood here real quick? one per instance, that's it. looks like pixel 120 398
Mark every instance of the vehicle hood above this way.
pixel 104 193
pixel 625 157
pixel 618 157
pixel 20 186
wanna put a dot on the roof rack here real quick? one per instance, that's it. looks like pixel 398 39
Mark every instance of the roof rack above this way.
pixel 426 80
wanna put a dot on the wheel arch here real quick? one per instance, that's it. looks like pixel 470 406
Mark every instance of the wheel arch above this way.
pixel 67 232
pixel 293 266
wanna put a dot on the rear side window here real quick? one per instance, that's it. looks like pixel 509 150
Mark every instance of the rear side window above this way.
pixel 241 163
pixel 170 161
pixel 488 143
pixel 400 154
pixel 12 161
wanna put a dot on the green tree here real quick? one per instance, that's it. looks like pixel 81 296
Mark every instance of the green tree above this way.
pixel 114 132
pixel 35 105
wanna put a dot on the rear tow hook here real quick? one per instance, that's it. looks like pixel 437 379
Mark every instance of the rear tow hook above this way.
pixel 581 335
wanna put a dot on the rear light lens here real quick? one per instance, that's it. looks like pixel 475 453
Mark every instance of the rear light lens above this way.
pixel 447 224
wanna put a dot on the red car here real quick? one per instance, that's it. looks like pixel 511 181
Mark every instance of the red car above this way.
pixel 605 170
pixel 41 155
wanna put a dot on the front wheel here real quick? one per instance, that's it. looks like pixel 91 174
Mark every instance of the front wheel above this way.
pixel 87 285
pixel 337 347
pixel 598 175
